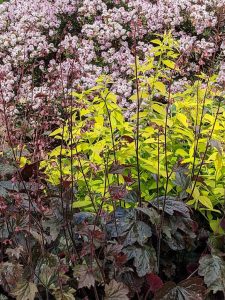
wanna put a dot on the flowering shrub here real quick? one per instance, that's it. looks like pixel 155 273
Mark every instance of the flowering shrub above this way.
pixel 45 43
pixel 116 207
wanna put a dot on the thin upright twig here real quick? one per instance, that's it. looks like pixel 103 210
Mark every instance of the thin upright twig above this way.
pixel 138 115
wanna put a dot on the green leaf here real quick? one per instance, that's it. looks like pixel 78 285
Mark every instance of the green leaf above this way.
pixel 82 203
pixel 212 268
pixel 55 132
pixel 160 87
pixel 215 226
pixel 183 119
pixel 169 63
pixel 159 109
pixel 195 194
pixel 205 201
pixel 156 41
pixel 116 291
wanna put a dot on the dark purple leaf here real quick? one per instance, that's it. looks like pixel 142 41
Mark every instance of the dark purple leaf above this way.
pixel 131 197
pixel 144 259
pixel 139 232
pixel 182 179
pixel 178 232
pixel 7 170
pixel 189 289
pixel 81 217
pixel 154 282
pixel 171 206
pixel 128 179
pixel 222 223
pixel 30 171
pixel 118 192
pixel 128 138
pixel 118 169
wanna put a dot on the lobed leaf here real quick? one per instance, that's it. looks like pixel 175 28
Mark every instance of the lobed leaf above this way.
pixel 116 291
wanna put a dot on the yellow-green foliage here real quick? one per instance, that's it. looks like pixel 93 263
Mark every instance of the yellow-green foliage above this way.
pixel 188 130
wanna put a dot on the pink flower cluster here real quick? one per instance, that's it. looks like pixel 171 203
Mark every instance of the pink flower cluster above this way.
pixel 49 46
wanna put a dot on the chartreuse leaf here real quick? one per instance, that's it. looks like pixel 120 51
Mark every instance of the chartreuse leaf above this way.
pixel 159 109
pixel 86 202
pixel 204 200
pixel 215 226
pixel 181 152
pixel 23 161
pixel 160 87
pixel 99 146
pixel 183 119
pixel 156 41
pixel 169 63
pixel 195 193
pixel 56 132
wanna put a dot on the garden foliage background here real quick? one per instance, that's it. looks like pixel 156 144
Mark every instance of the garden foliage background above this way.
pixel 112 139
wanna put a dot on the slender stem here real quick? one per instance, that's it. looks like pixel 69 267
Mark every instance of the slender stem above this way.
pixel 198 131
pixel 137 119
pixel 193 273
pixel 158 166
pixel 111 132
pixel 167 180
pixel 96 293
pixel 85 179
pixel 64 213
pixel 206 149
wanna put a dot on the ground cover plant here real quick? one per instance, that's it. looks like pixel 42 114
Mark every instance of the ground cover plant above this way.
pixel 110 192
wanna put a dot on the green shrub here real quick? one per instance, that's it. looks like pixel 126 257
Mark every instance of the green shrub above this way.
pixel 180 141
